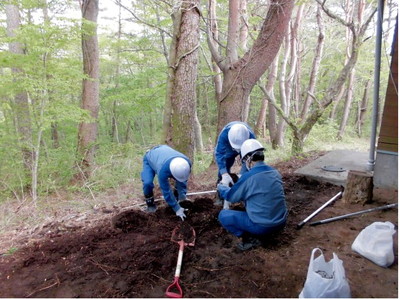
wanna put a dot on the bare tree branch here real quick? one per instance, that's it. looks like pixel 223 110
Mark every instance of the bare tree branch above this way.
pixel 118 2
pixel 334 16
pixel 291 124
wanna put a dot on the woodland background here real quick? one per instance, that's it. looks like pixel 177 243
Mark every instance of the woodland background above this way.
pixel 82 97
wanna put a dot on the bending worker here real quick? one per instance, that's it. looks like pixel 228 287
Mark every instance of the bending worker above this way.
pixel 166 163
pixel 261 190
pixel 228 146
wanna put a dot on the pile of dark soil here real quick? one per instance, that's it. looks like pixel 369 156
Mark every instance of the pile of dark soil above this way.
pixel 131 254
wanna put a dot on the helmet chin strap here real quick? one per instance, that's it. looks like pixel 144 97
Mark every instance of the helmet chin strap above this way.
pixel 249 161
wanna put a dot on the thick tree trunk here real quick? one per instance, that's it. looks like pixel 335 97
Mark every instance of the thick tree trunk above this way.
pixel 240 76
pixel 87 134
pixel 21 103
pixel 243 33
pixel 182 79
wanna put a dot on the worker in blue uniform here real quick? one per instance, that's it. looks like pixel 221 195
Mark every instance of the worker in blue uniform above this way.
pixel 166 163
pixel 261 191
pixel 228 146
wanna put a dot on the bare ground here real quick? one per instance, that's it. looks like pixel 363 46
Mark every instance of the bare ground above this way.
pixel 124 252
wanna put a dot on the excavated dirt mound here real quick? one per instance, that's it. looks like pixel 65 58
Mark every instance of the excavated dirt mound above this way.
pixel 131 254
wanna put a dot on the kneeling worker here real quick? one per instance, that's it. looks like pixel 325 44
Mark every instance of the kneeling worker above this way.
pixel 261 190
pixel 166 163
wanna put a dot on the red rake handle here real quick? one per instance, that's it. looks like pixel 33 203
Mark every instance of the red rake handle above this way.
pixel 175 285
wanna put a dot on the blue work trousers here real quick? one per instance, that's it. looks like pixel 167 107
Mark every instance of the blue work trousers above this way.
pixel 238 222
pixel 147 176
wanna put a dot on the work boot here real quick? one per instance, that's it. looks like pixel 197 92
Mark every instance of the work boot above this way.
pixel 151 206
pixel 248 242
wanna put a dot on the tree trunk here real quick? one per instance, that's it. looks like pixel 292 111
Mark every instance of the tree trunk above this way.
pixel 362 108
pixel 114 119
pixel 268 96
pixel 347 104
pixel 181 93
pixel 87 134
pixel 212 40
pixel 21 103
pixel 278 140
pixel 240 75
pixel 243 33
pixel 198 134
pixel 315 66
pixel 244 29
pixel 349 8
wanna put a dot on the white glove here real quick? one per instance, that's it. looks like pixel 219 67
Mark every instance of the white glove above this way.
pixel 181 213
pixel 227 205
pixel 226 179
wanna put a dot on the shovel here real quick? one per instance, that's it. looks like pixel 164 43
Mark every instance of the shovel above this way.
pixel 184 235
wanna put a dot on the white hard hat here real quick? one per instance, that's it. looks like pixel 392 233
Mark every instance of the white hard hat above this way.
pixel 249 146
pixel 237 134
pixel 180 169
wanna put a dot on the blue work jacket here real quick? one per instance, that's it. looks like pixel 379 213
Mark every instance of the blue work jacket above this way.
pixel 159 159
pixel 261 190
pixel 224 152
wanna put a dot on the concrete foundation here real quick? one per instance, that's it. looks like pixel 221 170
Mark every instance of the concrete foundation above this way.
pixel 386 170
pixel 340 160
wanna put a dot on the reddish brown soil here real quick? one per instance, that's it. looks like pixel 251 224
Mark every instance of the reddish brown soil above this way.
pixel 130 254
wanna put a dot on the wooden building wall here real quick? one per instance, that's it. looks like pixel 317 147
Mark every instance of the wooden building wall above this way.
pixel 388 137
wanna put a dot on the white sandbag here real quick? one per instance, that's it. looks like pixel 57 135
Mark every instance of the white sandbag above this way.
pixel 325 279
pixel 375 242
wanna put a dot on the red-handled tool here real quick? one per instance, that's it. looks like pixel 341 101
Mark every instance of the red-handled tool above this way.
pixel 181 233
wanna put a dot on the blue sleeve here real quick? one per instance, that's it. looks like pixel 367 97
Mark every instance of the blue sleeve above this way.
pixel 230 194
pixel 220 151
pixel 236 194
pixel 166 191
pixel 181 187
pixel 223 190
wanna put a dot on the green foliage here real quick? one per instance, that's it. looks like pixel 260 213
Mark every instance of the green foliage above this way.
pixel 117 164
pixel 323 136
pixel 202 161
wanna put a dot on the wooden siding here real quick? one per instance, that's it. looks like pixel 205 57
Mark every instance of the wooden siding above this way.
pixel 388 136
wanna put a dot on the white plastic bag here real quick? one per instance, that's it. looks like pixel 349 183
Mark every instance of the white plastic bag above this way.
pixel 325 279
pixel 375 242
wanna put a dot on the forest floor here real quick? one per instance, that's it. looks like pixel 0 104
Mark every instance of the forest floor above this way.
pixel 124 252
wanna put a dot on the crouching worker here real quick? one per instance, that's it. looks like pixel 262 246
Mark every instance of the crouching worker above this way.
pixel 166 163
pixel 261 190
pixel 228 146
